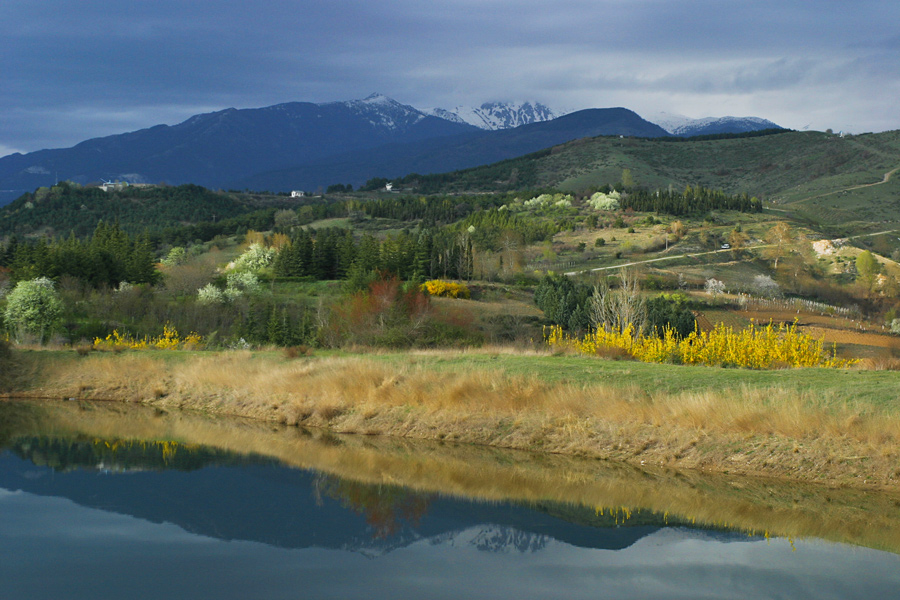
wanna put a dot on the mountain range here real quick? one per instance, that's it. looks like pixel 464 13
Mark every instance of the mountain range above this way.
pixel 681 126
pixel 302 145
pixel 499 115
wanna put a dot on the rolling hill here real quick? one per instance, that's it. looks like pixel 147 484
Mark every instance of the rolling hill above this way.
pixel 819 176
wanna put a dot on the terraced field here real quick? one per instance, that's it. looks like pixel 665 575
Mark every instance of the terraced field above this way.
pixel 853 338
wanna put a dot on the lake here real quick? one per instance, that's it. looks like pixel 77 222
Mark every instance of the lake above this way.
pixel 119 501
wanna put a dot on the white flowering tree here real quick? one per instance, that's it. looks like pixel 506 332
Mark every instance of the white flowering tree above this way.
pixel 236 285
pixel 601 201
pixel 33 307
pixel 766 286
pixel 256 258
pixel 210 294
pixel 714 287
pixel 895 326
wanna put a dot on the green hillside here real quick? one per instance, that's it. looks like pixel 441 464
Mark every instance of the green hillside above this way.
pixel 69 207
pixel 812 174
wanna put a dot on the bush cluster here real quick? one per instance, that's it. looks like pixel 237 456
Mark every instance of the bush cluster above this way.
pixel 445 289
pixel 169 340
pixel 752 347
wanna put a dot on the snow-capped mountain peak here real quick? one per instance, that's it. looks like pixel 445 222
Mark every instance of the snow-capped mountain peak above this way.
pixel 499 115
pixel 382 111
pixel 683 126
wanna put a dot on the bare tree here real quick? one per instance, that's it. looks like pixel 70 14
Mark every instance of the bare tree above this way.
pixel 780 238
pixel 614 310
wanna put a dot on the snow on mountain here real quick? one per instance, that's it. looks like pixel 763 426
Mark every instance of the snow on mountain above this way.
pixel 499 115
pixel 683 126
pixel 384 112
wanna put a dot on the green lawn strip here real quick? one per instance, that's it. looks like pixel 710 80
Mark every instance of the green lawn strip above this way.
pixel 872 388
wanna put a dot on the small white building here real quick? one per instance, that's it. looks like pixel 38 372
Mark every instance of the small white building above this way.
pixel 297 194
pixel 109 186
pixel 388 187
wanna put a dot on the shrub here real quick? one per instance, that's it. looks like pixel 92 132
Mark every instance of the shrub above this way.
pixel 752 347
pixel 445 289
pixel 169 340
pixel 383 315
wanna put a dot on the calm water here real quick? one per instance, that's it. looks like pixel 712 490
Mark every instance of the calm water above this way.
pixel 86 514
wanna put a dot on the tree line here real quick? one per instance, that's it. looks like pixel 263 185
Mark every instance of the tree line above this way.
pixel 334 253
pixel 691 201
pixel 107 258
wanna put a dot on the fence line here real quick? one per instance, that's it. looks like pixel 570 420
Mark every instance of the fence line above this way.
pixel 748 301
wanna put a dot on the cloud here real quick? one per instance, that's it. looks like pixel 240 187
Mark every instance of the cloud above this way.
pixel 75 69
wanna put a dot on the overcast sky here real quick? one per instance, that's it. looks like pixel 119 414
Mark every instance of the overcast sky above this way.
pixel 75 69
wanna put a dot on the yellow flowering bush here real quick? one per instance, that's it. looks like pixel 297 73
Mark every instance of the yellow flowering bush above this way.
pixel 445 289
pixel 169 340
pixel 752 347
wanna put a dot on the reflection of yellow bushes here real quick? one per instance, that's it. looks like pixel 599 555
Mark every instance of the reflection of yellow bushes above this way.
pixel 445 289
pixel 169 340
pixel 751 347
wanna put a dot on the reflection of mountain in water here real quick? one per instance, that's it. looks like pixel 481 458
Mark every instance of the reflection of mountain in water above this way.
pixel 507 539
pixel 290 508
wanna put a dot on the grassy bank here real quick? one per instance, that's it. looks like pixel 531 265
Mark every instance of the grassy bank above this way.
pixel 837 427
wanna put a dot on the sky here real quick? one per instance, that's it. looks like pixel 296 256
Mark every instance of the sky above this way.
pixel 71 70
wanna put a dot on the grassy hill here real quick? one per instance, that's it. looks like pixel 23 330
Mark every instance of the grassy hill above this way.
pixel 812 174
pixel 68 207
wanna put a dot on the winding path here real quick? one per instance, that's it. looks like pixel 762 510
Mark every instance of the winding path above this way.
pixel 696 254
pixel 885 179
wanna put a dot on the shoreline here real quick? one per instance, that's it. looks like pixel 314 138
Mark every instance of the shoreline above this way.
pixel 791 433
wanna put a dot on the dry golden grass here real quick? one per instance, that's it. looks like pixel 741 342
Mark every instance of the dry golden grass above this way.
pixel 880 364
pixel 800 435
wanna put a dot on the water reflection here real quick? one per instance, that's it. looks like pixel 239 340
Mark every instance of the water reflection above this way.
pixel 101 501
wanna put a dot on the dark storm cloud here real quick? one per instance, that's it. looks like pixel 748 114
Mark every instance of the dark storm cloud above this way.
pixel 73 69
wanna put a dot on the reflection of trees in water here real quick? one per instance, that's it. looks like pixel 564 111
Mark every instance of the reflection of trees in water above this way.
pixel 16 417
pixel 385 507
pixel 63 454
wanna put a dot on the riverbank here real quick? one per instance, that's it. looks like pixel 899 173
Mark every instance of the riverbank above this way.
pixel 837 427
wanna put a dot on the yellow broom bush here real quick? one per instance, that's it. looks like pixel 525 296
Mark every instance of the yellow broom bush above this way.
pixel 752 347
pixel 169 340
pixel 445 289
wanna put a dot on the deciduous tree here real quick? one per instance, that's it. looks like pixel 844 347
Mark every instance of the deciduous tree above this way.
pixel 33 307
